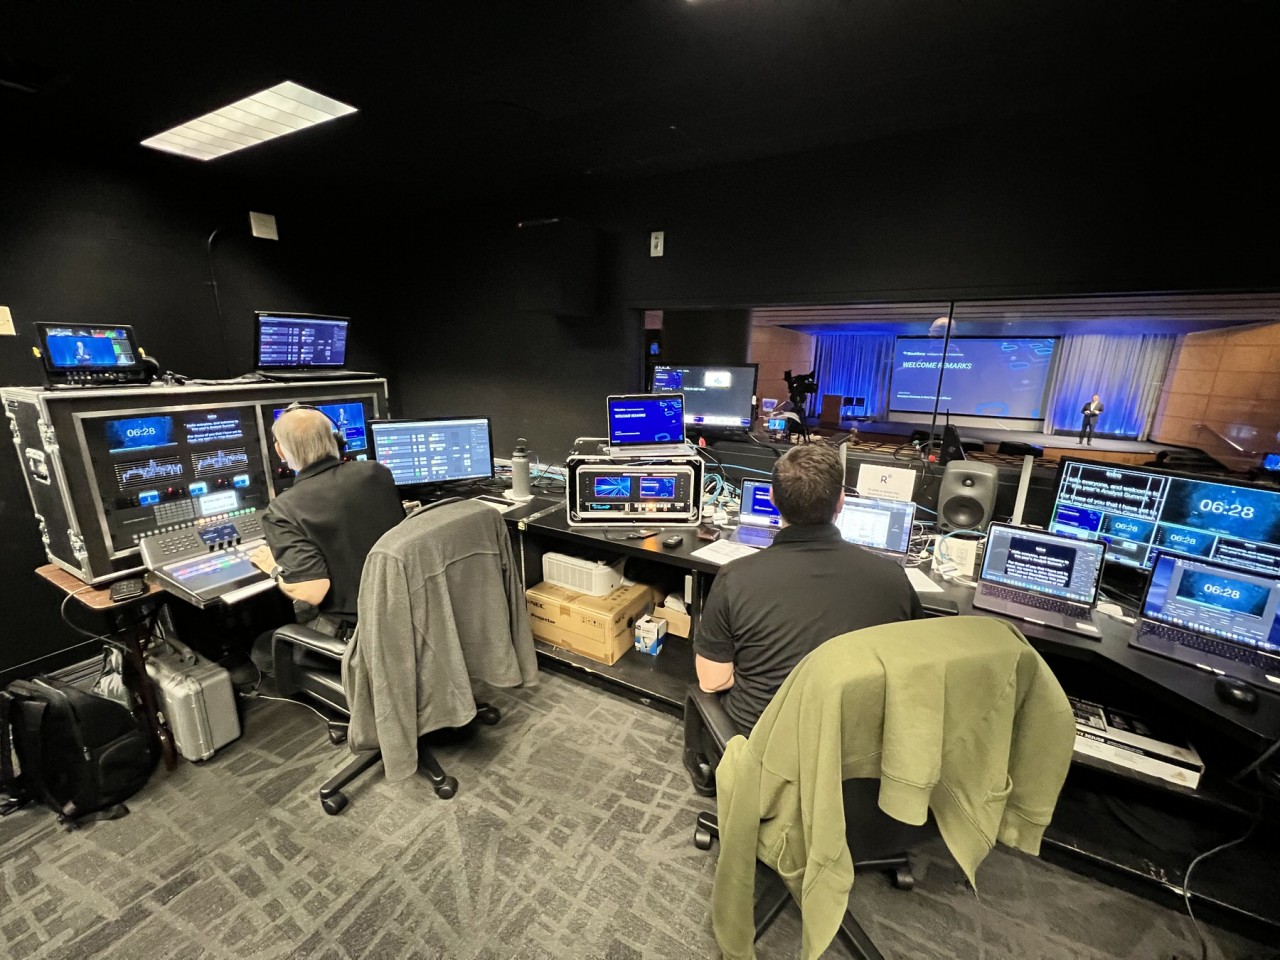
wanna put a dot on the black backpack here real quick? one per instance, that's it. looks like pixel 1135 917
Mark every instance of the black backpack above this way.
pixel 80 754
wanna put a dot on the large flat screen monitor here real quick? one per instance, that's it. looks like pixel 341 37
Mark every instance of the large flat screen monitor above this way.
pixel 348 417
pixel 158 468
pixel 984 376
pixel 300 341
pixel 715 397
pixel 1141 511
pixel 446 450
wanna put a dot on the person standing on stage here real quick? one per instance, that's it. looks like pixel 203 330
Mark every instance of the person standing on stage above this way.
pixel 1090 412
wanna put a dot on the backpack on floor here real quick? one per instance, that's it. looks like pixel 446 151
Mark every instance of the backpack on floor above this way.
pixel 80 754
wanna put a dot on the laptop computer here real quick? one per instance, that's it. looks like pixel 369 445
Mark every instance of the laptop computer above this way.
pixel 881 526
pixel 1041 577
pixel 301 346
pixel 1215 617
pixel 647 425
pixel 758 519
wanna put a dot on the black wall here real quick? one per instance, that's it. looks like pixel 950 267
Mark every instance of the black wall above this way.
pixel 706 336
pixel 1150 198
pixel 120 243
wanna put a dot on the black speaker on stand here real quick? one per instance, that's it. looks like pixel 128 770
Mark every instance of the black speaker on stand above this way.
pixel 967 497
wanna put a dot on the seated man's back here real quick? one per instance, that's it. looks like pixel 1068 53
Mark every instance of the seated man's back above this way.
pixel 321 530
pixel 767 611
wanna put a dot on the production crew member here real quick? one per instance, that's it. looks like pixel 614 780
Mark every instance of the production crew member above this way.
pixel 320 530
pixel 766 611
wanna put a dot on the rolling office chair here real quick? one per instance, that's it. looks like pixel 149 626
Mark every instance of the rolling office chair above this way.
pixel 308 662
pixel 960 715
pixel 876 840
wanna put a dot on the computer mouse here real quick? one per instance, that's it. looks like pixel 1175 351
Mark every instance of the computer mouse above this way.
pixel 1236 692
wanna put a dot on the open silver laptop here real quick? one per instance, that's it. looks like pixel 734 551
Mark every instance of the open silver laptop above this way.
pixel 758 519
pixel 1041 577
pixel 881 526
pixel 1216 617
pixel 647 425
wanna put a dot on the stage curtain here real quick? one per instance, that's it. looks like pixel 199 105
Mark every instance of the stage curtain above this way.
pixel 1126 372
pixel 854 365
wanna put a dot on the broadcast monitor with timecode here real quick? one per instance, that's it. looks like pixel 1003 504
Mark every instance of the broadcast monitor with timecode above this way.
pixel 1141 512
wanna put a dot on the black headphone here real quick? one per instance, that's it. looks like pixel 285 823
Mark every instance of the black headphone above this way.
pixel 338 436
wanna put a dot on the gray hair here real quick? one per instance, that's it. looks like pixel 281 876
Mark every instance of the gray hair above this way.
pixel 305 437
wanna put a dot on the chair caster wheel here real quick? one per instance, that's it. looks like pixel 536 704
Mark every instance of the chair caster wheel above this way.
pixel 903 879
pixel 335 804
pixel 446 788
pixel 337 734
pixel 702 838
pixel 488 715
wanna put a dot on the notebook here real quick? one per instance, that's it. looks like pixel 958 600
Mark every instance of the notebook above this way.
pixel 758 519
pixel 1041 577
pixel 881 526
pixel 647 425
pixel 1215 617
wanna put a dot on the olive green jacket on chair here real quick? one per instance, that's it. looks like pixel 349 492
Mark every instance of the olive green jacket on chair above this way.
pixel 958 715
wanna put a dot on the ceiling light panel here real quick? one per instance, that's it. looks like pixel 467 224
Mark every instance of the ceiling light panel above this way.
pixel 262 116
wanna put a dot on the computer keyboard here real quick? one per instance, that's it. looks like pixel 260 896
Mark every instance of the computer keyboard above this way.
pixel 1210 645
pixel 1077 611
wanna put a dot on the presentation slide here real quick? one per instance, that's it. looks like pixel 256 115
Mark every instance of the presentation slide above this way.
pixel 984 377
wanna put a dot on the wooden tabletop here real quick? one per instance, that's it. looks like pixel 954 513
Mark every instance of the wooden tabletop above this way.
pixel 96 598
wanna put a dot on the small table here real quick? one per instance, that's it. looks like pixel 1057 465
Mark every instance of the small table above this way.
pixel 136 680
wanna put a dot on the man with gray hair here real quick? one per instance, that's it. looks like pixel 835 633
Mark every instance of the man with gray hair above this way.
pixel 321 529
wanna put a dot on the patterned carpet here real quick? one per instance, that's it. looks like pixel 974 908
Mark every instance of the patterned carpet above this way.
pixel 569 838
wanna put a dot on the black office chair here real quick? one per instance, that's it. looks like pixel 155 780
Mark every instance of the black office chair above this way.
pixel 876 840
pixel 308 662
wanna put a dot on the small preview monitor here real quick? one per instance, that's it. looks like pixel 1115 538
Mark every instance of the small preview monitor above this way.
pixel 300 341
pixel 646 420
pixel 445 450
pixel 715 397
pixel 77 351
pixel 348 418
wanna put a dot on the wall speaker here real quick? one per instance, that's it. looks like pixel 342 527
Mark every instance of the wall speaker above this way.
pixel 967 497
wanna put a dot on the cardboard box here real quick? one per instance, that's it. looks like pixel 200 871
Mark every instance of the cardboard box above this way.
pixel 600 628
pixel 650 632
pixel 1116 739
pixel 678 624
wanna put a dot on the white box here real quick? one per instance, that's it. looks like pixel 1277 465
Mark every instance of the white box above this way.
pixel 650 632
pixel 1120 739
pixel 595 578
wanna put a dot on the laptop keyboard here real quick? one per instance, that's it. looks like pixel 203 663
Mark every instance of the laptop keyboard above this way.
pixel 1210 645
pixel 1077 611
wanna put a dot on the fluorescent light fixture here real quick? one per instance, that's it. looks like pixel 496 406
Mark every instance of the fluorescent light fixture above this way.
pixel 262 116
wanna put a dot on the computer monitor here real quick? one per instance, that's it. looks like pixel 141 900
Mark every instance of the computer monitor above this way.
pixel 716 398
pixel 89 353
pixel 443 450
pixel 300 341
pixel 348 417
pixel 1140 511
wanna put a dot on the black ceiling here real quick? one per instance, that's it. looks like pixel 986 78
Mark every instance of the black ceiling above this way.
pixel 467 99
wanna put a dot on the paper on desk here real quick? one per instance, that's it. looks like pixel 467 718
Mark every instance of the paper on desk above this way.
pixel 722 551
pixel 922 582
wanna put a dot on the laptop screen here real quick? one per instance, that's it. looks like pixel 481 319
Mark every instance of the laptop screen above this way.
pixel 646 420
pixel 757 509
pixel 1043 563
pixel 1214 600
pixel 300 341
pixel 879 525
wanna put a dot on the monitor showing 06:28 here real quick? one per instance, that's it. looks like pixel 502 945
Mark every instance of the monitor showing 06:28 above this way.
pixel 1141 512
pixel 434 451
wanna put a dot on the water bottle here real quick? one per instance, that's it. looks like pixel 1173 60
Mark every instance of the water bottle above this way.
pixel 520 471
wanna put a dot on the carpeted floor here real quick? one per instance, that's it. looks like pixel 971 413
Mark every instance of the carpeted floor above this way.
pixel 569 838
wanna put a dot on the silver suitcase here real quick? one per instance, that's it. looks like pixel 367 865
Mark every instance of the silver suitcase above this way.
pixel 196 698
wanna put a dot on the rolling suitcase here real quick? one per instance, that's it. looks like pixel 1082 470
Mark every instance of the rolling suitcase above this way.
pixel 196 697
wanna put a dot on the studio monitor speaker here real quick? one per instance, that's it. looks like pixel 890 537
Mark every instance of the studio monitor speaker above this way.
pixel 967 498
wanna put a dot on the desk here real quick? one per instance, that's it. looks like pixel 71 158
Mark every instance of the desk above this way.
pixel 135 671
pixel 1086 828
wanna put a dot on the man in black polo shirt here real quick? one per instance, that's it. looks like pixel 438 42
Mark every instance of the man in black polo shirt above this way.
pixel 321 529
pixel 766 611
